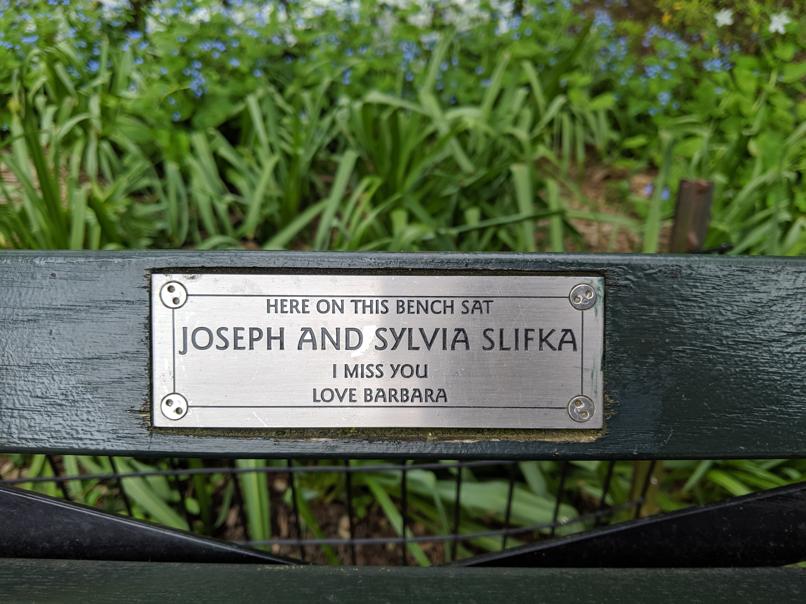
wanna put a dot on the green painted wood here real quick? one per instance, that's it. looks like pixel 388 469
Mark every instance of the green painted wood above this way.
pixel 90 581
pixel 705 357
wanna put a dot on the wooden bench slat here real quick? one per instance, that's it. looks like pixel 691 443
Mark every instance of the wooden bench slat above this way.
pixel 705 357
pixel 36 580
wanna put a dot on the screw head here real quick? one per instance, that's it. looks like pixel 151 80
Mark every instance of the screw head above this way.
pixel 582 296
pixel 174 406
pixel 581 408
pixel 173 294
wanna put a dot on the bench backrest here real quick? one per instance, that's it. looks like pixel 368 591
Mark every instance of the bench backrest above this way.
pixel 704 357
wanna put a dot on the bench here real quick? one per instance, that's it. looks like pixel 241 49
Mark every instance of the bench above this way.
pixel 704 357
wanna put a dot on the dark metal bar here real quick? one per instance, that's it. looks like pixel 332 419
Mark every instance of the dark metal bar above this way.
pixel 295 508
pixel 605 490
pixel 36 526
pixel 639 503
pixel 442 538
pixel 177 483
pixel 508 511
pixel 237 496
pixel 263 470
pixel 57 472
pixel 119 481
pixel 404 513
pixel 762 529
pixel 348 484
pixel 457 513
pixel 558 500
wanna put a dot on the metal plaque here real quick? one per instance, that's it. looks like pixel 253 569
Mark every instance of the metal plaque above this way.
pixel 376 351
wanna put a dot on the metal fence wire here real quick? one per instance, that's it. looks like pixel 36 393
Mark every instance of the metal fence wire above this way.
pixel 354 511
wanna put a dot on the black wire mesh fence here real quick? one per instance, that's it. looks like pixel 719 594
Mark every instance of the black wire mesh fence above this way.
pixel 353 511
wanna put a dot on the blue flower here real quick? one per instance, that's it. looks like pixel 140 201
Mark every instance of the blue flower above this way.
pixel 258 73
pixel 233 62
pixel 652 71
pixel 346 76
pixel 176 116
pixel 93 65
pixel 603 19
pixel 716 64
pixel 29 39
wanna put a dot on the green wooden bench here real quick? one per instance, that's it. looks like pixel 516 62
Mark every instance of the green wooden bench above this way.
pixel 704 358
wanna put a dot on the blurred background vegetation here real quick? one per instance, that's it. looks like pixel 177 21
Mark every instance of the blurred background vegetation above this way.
pixel 401 125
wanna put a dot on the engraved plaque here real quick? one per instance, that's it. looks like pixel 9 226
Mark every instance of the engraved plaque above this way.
pixel 342 351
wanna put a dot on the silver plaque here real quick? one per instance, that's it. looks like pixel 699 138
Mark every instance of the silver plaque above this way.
pixel 376 351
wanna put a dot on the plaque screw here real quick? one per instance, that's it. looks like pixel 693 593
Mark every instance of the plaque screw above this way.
pixel 173 294
pixel 174 406
pixel 580 408
pixel 582 296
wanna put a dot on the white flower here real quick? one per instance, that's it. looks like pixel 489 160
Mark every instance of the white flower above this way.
pixel 420 19
pixel 724 17
pixel 199 15
pixel 778 23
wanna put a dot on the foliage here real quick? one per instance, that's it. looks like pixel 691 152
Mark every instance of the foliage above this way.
pixel 196 131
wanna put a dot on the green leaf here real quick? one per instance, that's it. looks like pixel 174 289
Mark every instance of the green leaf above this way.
pixel 602 102
pixel 335 198
pixel 256 504
pixel 524 196
pixel 147 496
pixel 395 519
